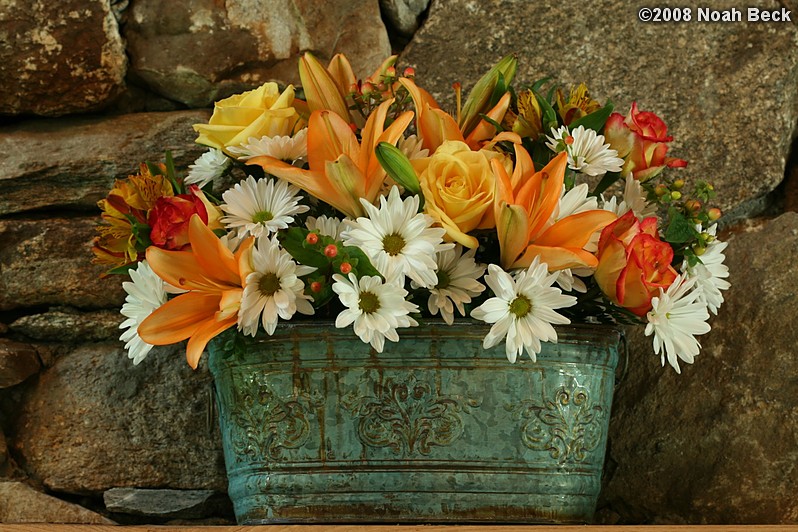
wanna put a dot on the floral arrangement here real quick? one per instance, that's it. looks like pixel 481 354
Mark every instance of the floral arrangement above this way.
pixel 364 201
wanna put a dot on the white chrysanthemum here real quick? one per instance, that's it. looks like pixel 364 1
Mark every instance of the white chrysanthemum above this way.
pixel 573 202
pixel 675 318
pixel 522 309
pixel 569 282
pixel 324 225
pixel 587 151
pixel 273 290
pixel 207 167
pixel 399 240
pixel 411 147
pixel 265 205
pixel 375 307
pixel 145 293
pixel 634 199
pixel 281 147
pixel 710 273
pixel 457 282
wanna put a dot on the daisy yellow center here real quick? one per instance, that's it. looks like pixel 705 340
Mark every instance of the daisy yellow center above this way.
pixel 520 306
pixel 369 302
pixel 262 217
pixel 269 284
pixel 393 244
pixel 443 279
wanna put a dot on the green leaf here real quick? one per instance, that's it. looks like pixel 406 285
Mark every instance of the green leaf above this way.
pixel 398 166
pixel 361 264
pixel 170 173
pixel 122 270
pixel 680 229
pixel 606 181
pixel 594 120
pixel 482 93
pixel 549 118
pixel 293 240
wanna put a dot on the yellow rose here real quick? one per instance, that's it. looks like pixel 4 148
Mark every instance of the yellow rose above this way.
pixel 256 113
pixel 458 188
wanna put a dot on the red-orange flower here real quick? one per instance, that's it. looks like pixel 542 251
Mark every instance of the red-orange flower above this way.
pixel 641 138
pixel 633 263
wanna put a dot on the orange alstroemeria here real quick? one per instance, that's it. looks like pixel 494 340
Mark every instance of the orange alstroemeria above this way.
pixel 212 275
pixel 341 169
pixel 523 208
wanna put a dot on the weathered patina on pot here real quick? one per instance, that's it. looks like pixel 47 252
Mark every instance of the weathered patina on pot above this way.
pixel 317 427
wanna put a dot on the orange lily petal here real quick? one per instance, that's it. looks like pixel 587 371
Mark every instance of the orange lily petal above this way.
pixel 311 181
pixel 321 90
pixel 329 136
pixel 178 268
pixel 575 231
pixel 485 130
pixel 199 340
pixel 556 258
pixel 549 181
pixel 178 318
pixel 212 255
pixel 512 227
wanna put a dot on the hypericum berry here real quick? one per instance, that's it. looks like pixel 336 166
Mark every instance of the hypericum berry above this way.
pixel 660 190
pixel 315 286
pixel 312 239
pixel 713 214
pixel 346 268
pixel 367 88
pixel 409 72
pixel 390 72
pixel 568 140
pixel 679 183
pixel 331 251
pixel 692 205
pixel 676 195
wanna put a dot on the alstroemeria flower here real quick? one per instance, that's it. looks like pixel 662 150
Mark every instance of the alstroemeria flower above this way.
pixel 633 263
pixel 641 138
pixel 212 276
pixel 523 208
pixel 341 169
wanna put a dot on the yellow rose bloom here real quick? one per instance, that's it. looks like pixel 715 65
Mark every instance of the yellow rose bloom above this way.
pixel 458 188
pixel 257 113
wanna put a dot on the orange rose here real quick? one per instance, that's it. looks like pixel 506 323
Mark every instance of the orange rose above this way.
pixel 633 263
pixel 641 139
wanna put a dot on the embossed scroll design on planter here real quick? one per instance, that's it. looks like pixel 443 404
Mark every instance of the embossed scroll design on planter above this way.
pixel 269 424
pixel 408 416
pixel 568 427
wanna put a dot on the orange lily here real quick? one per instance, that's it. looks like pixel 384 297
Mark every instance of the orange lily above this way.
pixel 328 89
pixel 212 275
pixel 341 169
pixel 436 126
pixel 524 203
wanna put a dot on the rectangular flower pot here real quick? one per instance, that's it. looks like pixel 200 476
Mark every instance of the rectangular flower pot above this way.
pixel 317 427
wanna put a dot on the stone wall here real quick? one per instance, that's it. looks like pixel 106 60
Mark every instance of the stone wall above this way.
pixel 86 437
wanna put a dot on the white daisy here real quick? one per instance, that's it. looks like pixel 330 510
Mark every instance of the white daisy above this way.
pixel 573 202
pixel 675 318
pixel 457 282
pixel 145 293
pixel 207 167
pixel 587 151
pixel 522 309
pixel 570 282
pixel 324 225
pixel 265 205
pixel 285 148
pixel 634 199
pixel 273 289
pixel 710 273
pixel 399 240
pixel 375 307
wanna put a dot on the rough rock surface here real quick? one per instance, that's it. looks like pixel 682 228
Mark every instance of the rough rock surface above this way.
pixel 719 443
pixel 48 262
pixel 18 361
pixel 59 57
pixel 93 422
pixel 69 325
pixel 19 503
pixel 72 163
pixel 240 44
pixel 719 86
pixel 173 504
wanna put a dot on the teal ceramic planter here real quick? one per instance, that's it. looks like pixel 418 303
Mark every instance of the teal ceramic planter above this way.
pixel 319 428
